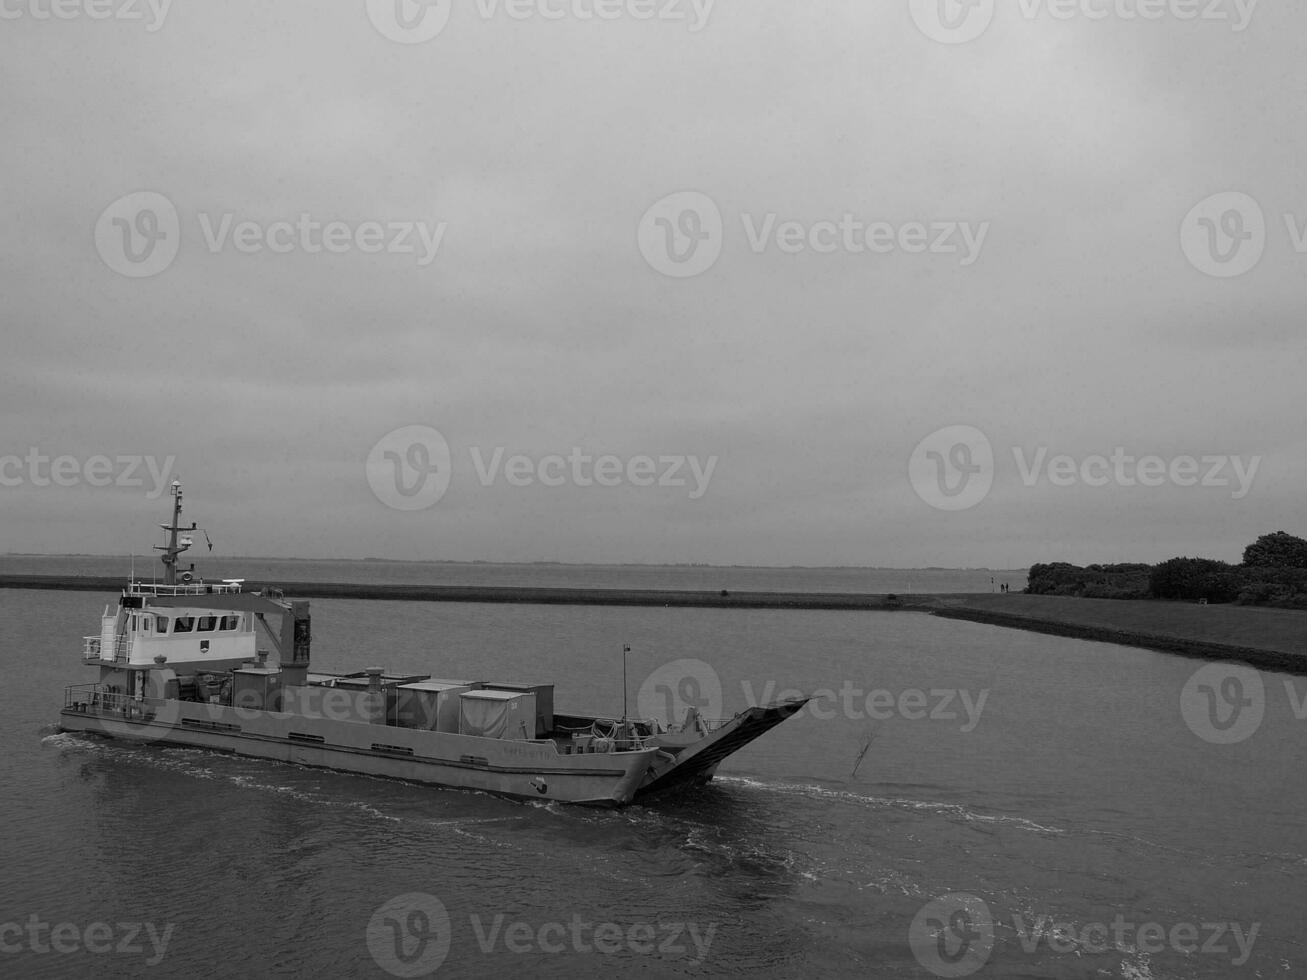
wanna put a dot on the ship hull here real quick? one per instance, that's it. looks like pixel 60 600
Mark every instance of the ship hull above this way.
pixel 522 769
pixel 535 770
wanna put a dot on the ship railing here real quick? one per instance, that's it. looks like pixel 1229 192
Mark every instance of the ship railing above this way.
pixel 628 739
pixel 631 736
pixel 630 743
pixel 94 699
pixel 613 735
pixel 93 649
pixel 79 694
pixel 701 724
pixel 625 743
pixel 712 724
pixel 184 589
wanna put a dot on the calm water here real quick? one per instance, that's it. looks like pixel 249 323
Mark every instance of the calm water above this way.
pixel 741 579
pixel 1076 792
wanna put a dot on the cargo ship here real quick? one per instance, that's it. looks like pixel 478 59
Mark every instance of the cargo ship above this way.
pixel 183 662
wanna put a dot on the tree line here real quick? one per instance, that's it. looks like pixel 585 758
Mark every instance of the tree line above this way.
pixel 1273 573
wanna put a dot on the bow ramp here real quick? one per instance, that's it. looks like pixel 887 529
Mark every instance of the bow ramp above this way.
pixel 680 761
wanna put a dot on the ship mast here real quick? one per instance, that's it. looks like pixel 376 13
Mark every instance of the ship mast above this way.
pixel 172 549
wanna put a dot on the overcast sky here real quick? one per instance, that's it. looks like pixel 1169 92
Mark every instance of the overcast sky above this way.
pixel 1038 199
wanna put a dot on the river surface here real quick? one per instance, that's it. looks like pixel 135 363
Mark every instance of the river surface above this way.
pixel 737 578
pixel 1048 791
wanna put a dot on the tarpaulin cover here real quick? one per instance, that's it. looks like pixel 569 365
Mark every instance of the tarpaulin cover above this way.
pixel 429 705
pixel 496 714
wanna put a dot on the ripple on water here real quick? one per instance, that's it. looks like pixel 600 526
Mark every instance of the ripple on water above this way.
pixel 816 792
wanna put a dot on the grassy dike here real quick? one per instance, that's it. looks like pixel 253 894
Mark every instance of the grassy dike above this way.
pixel 1272 639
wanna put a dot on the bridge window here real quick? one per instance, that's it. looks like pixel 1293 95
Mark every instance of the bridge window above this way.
pixel 185 624
pixel 161 624
pixel 230 622
pixel 208 623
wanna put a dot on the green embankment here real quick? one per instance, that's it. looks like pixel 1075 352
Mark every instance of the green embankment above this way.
pixel 1272 638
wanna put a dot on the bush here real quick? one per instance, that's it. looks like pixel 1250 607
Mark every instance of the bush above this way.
pixel 1274 587
pixel 1274 573
pixel 1097 591
pixel 1043 579
pixel 1278 550
pixel 1191 579
pixel 1294 579
pixel 1123 581
pixel 1260 593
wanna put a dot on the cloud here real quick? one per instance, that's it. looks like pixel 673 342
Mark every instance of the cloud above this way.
pixel 539 327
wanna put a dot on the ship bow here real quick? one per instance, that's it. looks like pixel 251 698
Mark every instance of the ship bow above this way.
pixel 696 763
